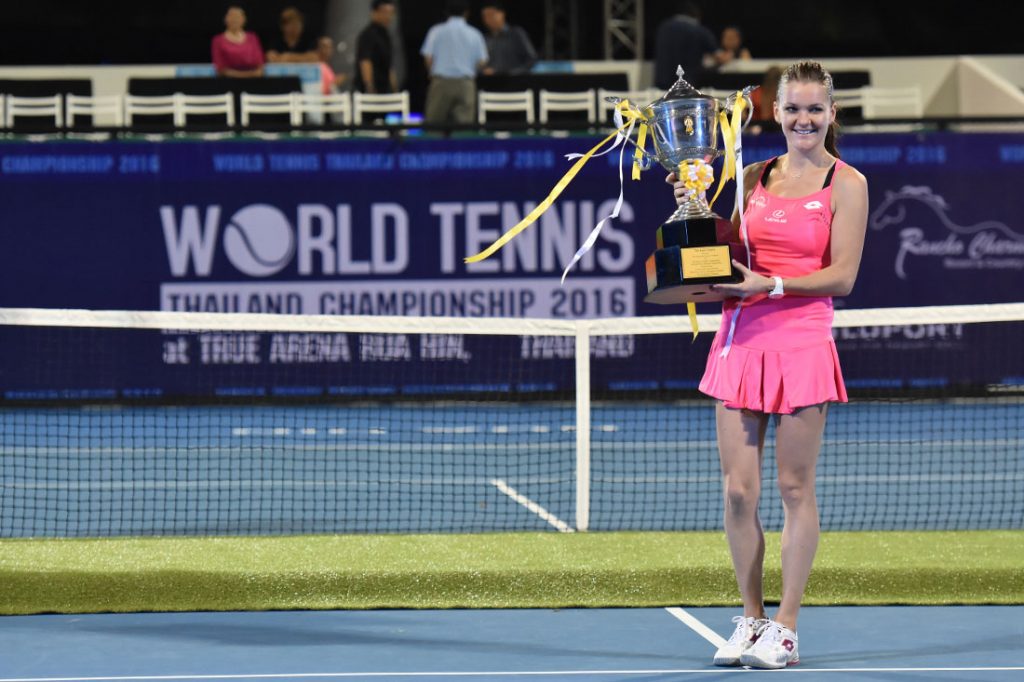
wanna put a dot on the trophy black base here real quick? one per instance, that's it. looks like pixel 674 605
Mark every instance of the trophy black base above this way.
pixel 684 293
pixel 688 261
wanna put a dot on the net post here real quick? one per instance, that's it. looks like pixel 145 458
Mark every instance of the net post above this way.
pixel 582 426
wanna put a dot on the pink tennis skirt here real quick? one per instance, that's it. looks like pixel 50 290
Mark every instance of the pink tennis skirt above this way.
pixel 782 358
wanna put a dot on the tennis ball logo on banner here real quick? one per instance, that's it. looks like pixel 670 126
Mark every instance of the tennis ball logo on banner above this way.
pixel 259 241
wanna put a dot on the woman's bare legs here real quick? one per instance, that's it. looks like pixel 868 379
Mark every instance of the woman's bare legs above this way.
pixel 740 448
pixel 797 444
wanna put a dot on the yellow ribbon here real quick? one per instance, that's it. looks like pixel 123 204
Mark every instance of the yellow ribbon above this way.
pixel 729 132
pixel 629 116
pixel 641 140
pixel 700 179
pixel 691 312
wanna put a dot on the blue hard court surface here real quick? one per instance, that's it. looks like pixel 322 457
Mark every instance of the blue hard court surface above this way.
pixel 837 643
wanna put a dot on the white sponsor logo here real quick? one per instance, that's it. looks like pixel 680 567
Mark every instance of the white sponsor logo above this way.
pixel 812 205
pixel 259 241
pixel 760 202
pixel 778 216
pixel 901 337
pixel 920 213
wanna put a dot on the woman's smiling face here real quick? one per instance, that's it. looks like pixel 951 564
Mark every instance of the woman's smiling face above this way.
pixel 804 112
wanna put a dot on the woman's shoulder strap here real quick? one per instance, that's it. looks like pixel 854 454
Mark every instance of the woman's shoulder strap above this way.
pixel 766 170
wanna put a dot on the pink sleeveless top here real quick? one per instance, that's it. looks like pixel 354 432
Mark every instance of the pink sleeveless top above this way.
pixel 782 355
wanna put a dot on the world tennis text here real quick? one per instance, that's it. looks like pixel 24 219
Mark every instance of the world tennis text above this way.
pixel 309 240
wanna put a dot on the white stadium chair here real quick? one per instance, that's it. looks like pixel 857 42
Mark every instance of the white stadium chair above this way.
pixel 637 98
pixel 337 103
pixel 109 106
pixel 36 107
pixel 161 105
pixel 876 102
pixel 390 103
pixel 487 101
pixel 283 103
pixel 206 105
pixel 892 102
pixel 582 101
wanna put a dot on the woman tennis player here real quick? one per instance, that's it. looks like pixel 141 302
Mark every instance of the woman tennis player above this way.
pixel 806 215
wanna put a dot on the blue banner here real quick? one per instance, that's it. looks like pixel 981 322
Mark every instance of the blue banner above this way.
pixel 381 227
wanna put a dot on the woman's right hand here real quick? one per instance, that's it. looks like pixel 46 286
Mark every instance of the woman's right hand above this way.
pixel 680 188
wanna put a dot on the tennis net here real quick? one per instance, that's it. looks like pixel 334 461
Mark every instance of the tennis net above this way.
pixel 155 423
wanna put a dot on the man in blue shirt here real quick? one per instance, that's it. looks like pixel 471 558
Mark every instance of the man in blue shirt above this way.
pixel 454 52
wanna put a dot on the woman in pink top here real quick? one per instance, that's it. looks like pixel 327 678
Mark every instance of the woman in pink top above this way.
pixel 805 217
pixel 236 52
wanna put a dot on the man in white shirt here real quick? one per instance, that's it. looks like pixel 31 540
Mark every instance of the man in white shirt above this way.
pixel 454 53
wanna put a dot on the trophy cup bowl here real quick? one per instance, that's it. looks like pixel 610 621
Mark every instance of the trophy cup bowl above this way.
pixel 692 244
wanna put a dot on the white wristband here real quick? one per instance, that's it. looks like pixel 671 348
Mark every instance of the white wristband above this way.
pixel 777 292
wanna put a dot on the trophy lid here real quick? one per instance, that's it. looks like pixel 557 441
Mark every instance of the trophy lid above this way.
pixel 682 89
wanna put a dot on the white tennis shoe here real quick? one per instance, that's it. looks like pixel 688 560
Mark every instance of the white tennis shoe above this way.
pixel 743 637
pixel 776 647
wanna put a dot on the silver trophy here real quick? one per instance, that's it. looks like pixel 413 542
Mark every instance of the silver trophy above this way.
pixel 693 250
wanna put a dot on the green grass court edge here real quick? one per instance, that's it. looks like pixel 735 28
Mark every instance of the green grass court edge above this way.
pixel 503 570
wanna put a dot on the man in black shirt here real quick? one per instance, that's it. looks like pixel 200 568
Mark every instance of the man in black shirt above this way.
pixel 374 70
pixel 508 47
pixel 682 40
pixel 294 45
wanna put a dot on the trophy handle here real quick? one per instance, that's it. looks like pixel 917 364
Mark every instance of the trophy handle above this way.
pixel 645 156
pixel 745 93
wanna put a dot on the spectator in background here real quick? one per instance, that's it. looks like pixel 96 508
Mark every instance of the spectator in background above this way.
pixel 330 81
pixel 236 52
pixel 454 52
pixel 681 40
pixel 763 98
pixel 374 70
pixel 732 47
pixel 509 47
pixel 294 46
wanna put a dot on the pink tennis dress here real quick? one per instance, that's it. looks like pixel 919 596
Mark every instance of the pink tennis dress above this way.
pixel 782 356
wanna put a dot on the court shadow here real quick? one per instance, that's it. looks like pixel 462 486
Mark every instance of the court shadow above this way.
pixel 969 649
pixel 268 636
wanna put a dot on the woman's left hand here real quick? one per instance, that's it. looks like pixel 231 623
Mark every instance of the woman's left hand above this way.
pixel 752 283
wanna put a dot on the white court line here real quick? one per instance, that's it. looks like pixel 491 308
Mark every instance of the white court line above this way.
pixel 529 504
pixel 505 673
pixel 691 622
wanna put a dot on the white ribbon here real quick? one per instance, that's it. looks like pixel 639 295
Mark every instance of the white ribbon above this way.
pixel 740 192
pixel 619 139
pixel 596 232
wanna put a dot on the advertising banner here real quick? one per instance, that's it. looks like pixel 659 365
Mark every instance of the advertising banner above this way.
pixel 381 227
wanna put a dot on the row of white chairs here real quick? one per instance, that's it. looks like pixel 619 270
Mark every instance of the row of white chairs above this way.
pixel 597 105
pixel 121 110
pixel 874 102
pixel 349 109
